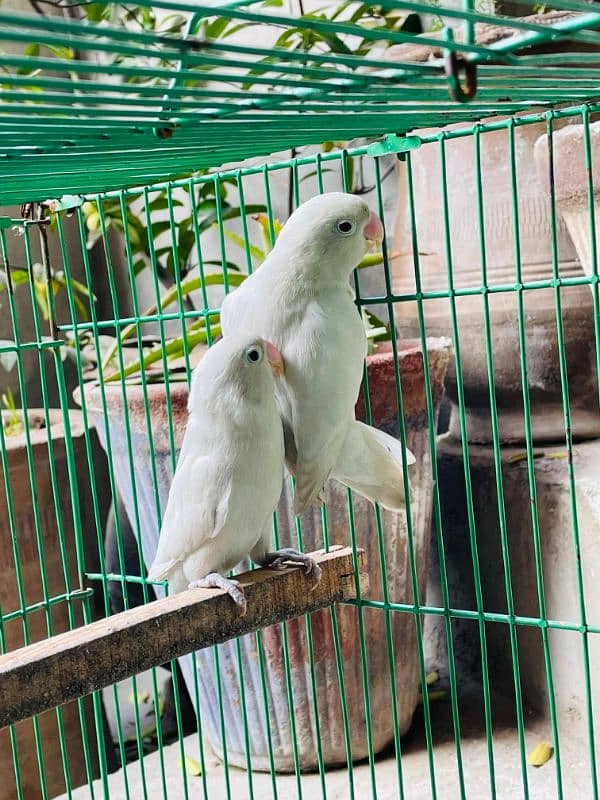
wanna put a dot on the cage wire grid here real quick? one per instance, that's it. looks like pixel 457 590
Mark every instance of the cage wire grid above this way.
pixel 180 106
pixel 310 104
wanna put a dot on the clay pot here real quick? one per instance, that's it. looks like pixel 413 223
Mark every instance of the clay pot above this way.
pixel 37 629
pixel 404 682
pixel 535 235
pixel 571 185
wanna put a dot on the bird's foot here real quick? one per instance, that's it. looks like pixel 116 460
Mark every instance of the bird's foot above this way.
pixel 215 581
pixel 280 559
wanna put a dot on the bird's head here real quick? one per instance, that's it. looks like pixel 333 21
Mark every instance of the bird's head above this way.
pixel 236 369
pixel 331 230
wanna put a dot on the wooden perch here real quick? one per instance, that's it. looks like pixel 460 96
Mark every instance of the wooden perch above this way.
pixel 52 672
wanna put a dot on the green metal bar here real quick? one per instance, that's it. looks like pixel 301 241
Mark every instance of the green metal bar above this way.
pixel 467 475
pixel 456 346
pixel 332 612
pixel 295 187
pixel 587 148
pixel 530 464
pixel 347 187
pixel 43 605
pixel 283 627
pixel 514 646
pixel 543 623
pixel 136 522
pixel 436 503
pixel 152 455
pixel 564 380
pixel 380 532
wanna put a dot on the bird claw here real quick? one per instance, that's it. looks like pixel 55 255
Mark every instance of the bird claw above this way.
pixel 287 556
pixel 216 581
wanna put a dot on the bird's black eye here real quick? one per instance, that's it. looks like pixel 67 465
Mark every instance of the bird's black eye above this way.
pixel 253 355
pixel 344 226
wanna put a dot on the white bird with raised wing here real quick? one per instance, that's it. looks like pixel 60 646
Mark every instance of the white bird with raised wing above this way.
pixel 301 300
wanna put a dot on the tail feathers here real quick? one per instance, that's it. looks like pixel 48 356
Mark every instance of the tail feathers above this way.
pixel 371 463
pixel 309 492
pixel 394 446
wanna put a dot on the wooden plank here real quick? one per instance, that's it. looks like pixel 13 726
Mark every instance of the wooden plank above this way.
pixel 52 672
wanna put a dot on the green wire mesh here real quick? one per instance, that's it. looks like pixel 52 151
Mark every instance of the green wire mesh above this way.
pixel 117 106
pixel 86 134
pixel 308 175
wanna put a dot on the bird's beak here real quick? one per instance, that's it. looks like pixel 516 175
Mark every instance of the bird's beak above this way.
pixel 275 360
pixel 374 232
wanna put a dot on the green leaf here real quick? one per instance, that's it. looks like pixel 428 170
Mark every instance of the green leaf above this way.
pixel 160 227
pixel 95 12
pixel 162 202
pixel 218 263
pixel 192 767
pixel 17 277
pixel 42 299
pixel 230 213
pixel 255 251
pixel 170 297
pixel 58 51
pixel 174 349
pixel 215 28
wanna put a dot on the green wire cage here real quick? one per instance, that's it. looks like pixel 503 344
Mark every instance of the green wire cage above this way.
pixel 149 155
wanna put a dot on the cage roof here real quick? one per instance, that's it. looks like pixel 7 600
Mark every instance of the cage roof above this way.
pixel 88 105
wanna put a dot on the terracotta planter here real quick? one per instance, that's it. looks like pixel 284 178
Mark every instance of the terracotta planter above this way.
pixel 20 490
pixel 571 185
pixel 405 680
pixel 536 264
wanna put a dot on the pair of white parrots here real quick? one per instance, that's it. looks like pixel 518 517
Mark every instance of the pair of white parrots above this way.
pixel 281 383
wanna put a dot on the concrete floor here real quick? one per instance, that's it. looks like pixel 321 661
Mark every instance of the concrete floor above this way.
pixel 542 782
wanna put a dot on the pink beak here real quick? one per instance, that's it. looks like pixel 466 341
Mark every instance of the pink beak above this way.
pixel 374 231
pixel 275 359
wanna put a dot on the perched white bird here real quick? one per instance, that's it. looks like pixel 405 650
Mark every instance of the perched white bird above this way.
pixel 301 300
pixel 229 473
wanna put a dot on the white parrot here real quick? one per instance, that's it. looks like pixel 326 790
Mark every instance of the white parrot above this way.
pixel 301 300
pixel 229 473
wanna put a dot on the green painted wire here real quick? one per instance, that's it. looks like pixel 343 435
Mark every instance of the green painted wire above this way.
pixel 468 486
pixel 96 696
pixel 514 646
pixel 381 538
pixel 431 422
pixel 412 558
pixel 152 461
pixel 346 186
pixel 530 465
pixel 564 381
pixel 258 635
pixel 136 523
pixel 14 745
pixel 283 626
pixel 177 275
pixel 332 611
pixel 295 185
pixel 74 496
pixel 110 464
pixel 16 561
pixel 587 150
pixel 172 454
